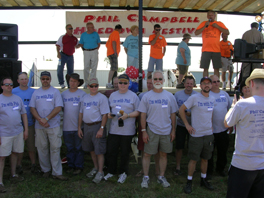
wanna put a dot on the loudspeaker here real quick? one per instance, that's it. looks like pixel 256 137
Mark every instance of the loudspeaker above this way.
pixel 9 68
pixel 8 41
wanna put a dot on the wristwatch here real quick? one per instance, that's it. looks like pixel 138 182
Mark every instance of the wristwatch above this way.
pixel 102 127
pixel 143 129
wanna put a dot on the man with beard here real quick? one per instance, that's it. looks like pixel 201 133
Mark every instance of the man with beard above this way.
pixel 158 109
pixel 201 134
pixel 181 131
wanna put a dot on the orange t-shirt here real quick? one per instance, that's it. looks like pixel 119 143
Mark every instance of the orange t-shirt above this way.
pixel 114 36
pixel 225 48
pixel 211 36
pixel 156 49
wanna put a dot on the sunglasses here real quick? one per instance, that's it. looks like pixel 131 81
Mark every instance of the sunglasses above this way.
pixel 70 28
pixel 8 84
pixel 157 30
pixel 92 86
pixel 216 81
pixel 160 79
pixel 45 79
pixel 120 83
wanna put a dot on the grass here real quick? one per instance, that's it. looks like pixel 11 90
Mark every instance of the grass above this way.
pixel 80 186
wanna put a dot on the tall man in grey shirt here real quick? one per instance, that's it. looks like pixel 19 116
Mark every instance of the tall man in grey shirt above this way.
pixel 158 109
pixel 201 135
pixel 246 174
pixel 45 105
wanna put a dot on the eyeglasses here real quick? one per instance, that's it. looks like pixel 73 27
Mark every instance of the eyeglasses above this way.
pixel 70 28
pixel 160 79
pixel 92 86
pixel 47 79
pixel 8 84
pixel 120 83
pixel 216 81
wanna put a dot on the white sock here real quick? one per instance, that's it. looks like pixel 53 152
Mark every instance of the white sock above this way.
pixel 203 175
pixel 147 177
pixel 224 84
pixel 189 177
pixel 160 177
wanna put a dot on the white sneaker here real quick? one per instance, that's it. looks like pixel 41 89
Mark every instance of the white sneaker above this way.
pixel 98 177
pixel 109 175
pixel 122 178
pixel 62 86
pixel 109 86
pixel 162 180
pixel 91 173
pixel 145 182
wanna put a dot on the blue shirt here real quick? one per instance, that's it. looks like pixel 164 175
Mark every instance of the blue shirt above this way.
pixel 25 95
pixel 90 41
pixel 131 43
pixel 179 59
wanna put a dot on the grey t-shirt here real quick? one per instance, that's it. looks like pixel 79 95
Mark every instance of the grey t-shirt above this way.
pixel 202 112
pixel 11 109
pixel 248 116
pixel 158 107
pixel 93 107
pixel 223 103
pixel 72 104
pixel 181 97
pixel 128 102
pixel 45 101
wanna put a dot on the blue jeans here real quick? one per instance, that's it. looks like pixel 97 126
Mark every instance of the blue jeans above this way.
pixel 75 154
pixel 69 61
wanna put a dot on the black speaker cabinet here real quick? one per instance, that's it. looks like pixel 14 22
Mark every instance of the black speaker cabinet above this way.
pixel 9 68
pixel 8 41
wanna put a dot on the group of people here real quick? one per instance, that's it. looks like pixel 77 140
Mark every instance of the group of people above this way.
pixel 205 118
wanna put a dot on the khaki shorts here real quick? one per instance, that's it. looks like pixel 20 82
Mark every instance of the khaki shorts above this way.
pixel 161 142
pixel 183 69
pixel 207 57
pixel 30 142
pixel 12 144
pixel 227 64
pixel 201 147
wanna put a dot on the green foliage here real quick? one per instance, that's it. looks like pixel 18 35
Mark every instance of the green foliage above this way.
pixel 121 69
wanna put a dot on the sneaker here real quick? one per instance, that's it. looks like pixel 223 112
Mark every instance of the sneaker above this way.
pixel 60 177
pixel 145 182
pixel 180 86
pixel 62 86
pixel 34 169
pixel 19 169
pixel 109 175
pixel 188 187
pixel 98 177
pixel 206 184
pixel 46 175
pixel 16 178
pixel 85 87
pixel 122 178
pixel 92 173
pixel 109 86
pixel 77 171
pixel 162 180
pixel 2 188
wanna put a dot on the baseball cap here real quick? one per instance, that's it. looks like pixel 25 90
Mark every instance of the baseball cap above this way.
pixel 45 73
pixel 93 81
pixel 123 77
pixel 205 78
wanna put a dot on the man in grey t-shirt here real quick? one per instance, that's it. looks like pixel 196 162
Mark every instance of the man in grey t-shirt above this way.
pixel 158 109
pixel 45 105
pixel 201 135
pixel 246 174
pixel 221 138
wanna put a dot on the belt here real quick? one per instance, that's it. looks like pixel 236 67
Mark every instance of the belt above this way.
pixel 93 123
pixel 89 49
pixel 65 54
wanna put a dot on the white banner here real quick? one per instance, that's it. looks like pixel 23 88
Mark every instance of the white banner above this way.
pixel 173 24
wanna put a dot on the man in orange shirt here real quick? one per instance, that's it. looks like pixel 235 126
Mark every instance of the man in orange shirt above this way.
pixel 227 50
pixel 113 49
pixel 157 50
pixel 211 31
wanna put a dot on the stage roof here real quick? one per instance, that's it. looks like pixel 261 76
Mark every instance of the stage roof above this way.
pixel 247 7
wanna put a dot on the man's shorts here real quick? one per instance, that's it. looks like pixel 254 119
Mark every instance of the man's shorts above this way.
pixel 12 144
pixel 152 62
pixel 113 62
pixel 157 142
pixel 207 57
pixel 201 147
pixel 132 61
pixel 227 64
pixel 90 142
pixel 181 133
pixel 183 69
pixel 30 142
